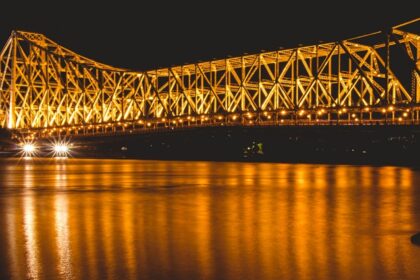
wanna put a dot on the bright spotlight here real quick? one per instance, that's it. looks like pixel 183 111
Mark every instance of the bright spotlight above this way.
pixel 60 149
pixel 28 148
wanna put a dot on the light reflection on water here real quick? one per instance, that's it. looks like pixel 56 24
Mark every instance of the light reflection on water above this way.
pixel 123 219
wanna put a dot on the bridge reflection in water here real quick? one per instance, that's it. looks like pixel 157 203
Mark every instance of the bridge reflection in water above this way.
pixel 99 219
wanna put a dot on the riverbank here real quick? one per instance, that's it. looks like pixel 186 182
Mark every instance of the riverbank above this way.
pixel 375 145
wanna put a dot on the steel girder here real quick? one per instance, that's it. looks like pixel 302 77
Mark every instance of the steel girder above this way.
pixel 45 86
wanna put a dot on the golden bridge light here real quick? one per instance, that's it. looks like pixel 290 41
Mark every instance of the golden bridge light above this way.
pixel 405 114
pixel 391 108
pixel 283 112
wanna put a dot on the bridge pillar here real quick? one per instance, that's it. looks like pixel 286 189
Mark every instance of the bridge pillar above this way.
pixel 417 76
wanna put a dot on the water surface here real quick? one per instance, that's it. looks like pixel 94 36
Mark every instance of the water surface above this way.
pixel 132 219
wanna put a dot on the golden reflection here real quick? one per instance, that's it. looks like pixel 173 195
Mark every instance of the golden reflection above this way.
pixel 31 242
pixel 204 220
pixel 107 232
pixel 62 237
pixel 203 231
pixel 128 238
pixel 90 237
pixel 29 224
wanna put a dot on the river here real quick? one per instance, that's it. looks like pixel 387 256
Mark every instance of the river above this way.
pixel 134 219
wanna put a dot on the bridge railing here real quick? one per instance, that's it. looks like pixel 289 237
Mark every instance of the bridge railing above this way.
pixel 322 117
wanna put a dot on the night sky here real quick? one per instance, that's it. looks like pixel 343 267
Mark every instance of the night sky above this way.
pixel 147 35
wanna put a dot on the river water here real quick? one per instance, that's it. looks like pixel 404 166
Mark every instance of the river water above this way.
pixel 133 219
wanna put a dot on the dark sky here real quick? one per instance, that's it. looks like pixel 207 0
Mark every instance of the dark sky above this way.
pixel 145 35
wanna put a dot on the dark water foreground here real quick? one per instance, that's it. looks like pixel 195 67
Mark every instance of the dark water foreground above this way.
pixel 131 219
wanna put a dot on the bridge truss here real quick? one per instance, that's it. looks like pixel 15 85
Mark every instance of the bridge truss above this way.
pixel 46 89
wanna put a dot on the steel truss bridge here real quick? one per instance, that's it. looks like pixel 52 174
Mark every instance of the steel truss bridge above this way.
pixel 48 90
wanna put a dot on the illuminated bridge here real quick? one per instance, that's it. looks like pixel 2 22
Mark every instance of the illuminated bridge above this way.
pixel 47 90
